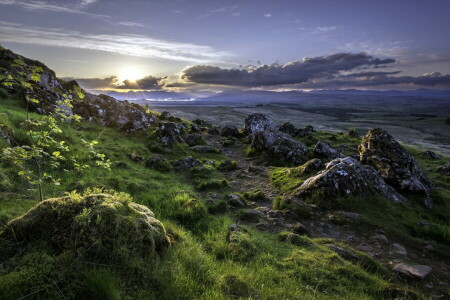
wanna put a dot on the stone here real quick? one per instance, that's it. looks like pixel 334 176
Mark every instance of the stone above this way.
pixel 445 169
pixel 234 200
pixel 395 164
pixel 380 238
pixel 365 248
pixel 299 228
pixel 258 122
pixel 230 130
pixel 228 165
pixel 413 271
pixel 202 123
pixel 352 134
pixel 430 155
pixel 165 115
pixel 170 133
pixel 308 167
pixel 158 163
pixel 347 178
pixel 279 146
pixel 345 254
pixel 399 249
pixel 349 215
pixel 307 130
pixel 324 149
pixel 288 128
pixel 186 163
pixel 193 139
pixel 250 215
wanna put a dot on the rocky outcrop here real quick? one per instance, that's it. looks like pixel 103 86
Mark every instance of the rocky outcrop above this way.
pixel 395 164
pixel 170 133
pixel 307 130
pixel 186 163
pixel 31 80
pixel 110 112
pixel 430 155
pixel 324 149
pixel 193 139
pixel 258 122
pixel 347 178
pixel 279 146
pixel 288 128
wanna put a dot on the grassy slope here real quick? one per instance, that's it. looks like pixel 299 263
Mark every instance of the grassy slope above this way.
pixel 201 264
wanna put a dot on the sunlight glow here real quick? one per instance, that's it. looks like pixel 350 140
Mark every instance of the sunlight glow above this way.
pixel 130 73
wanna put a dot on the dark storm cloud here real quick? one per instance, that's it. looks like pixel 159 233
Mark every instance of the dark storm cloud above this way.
pixel 291 73
pixel 146 83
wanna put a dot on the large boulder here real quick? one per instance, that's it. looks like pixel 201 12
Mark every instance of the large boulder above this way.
pixel 445 169
pixel 170 133
pixel 229 130
pixel 288 128
pixel 347 178
pixel 102 227
pixel 279 146
pixel 258 122
pixel 395 164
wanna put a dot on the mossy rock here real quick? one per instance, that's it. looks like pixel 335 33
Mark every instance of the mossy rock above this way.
pixel 212 185
pixel 256 195
pixel 107 227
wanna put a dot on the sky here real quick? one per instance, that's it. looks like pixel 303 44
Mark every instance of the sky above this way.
pixel 195 45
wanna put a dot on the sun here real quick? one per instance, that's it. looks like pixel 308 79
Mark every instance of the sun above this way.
pixel 130 73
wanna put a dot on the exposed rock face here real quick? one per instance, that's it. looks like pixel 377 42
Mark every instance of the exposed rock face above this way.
pixel 170 133
pixel 394 163
pixel 347 178
pixel 258 122
pixel 288 128
pixel 113 113
pixel 445 169
pixel 280 146
pixel 230 130
pixel 324 149
pixel 65 224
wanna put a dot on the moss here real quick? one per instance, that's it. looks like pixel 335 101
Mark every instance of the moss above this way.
pixel 213 185
pixel 256 196
pixel 295 239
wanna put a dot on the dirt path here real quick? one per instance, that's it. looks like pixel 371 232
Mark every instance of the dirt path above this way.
pixel 253 174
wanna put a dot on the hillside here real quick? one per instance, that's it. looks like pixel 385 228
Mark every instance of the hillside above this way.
pixel 168 208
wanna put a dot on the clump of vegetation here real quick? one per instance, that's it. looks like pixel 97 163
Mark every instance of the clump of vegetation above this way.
pixel 255 196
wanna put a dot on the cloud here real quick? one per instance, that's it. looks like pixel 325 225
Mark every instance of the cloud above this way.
pixel 267 15
pixel 125 44
pixel 326 28
pixel 290 73
pixel 87 2
pixel 225 9
pixel 147 83
pixel 132 24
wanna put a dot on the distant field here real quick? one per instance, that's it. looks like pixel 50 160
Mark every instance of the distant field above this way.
pixel 423 127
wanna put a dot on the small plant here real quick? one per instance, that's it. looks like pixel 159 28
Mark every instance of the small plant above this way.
pixel 46 150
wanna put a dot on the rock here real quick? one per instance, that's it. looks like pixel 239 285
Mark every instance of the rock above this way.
pixel 194 128
pixel 399 249
pixel 445 169
pixel 202 123
pixel 413 271
pixel 170 133
pixel 347 178
pixel 288 128
pixel 299 228
pixel 214 130
pixel 352 134
pixel 349 215
pixel 228 165
pixel 258 122
pixel 395 164
pixel 279 146
pixel 249 215
pixel 186 163
pixel 380 238
pixel 230 130
pixel 206 149
pixel 307 130
pixel 430 155
pixel 158 163
pixel 428 248
pixel 324 149
pixel 106 227
pixel 165 115
pixel 308 167
pixel 364 248
pixel 234 200
pixel 193 139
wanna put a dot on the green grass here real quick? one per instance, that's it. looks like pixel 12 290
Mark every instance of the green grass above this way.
pixel 205 262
